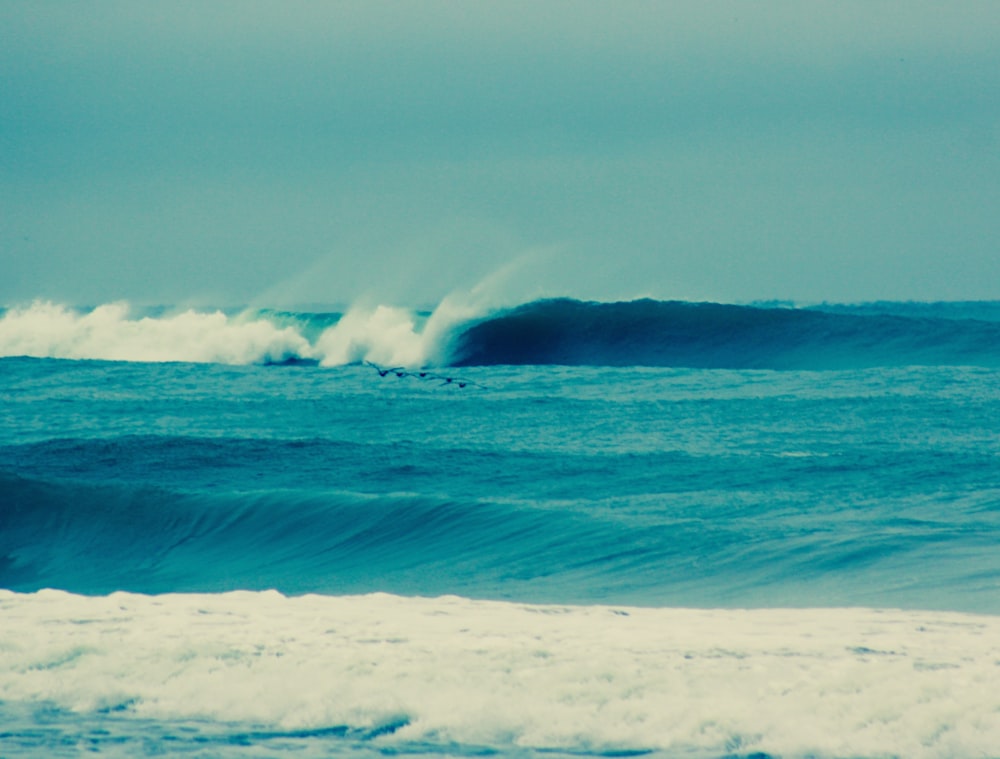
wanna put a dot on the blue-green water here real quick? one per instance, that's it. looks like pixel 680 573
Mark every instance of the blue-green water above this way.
pixel 567 482
pixel 876 487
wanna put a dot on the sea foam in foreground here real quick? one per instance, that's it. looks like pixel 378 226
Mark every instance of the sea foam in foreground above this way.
pixel 450 674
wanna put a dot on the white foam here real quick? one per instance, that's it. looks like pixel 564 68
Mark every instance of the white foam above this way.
pixel 380 334
pixel 48 330
pixel 392 337
pixel 796 683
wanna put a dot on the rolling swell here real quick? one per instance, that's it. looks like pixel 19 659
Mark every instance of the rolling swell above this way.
pixel 92 538
pixel 715 336
pixel 96 539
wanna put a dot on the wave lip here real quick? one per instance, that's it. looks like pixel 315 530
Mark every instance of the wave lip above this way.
pixel 717 336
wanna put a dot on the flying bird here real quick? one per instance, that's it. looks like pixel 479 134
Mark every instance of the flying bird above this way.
pixel 382 372
pixel 423 374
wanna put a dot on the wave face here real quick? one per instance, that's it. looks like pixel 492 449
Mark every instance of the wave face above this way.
pixel 548 332
pixel 628 548
pixel 97 539
pixel 708 335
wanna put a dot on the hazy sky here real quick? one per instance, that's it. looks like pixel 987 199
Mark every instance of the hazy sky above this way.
pixel 277 153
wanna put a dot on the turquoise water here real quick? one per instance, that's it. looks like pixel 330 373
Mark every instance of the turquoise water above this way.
pixel 553 485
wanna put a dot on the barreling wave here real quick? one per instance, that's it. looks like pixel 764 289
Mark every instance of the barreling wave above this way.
pixel 710 335
pixel 556 331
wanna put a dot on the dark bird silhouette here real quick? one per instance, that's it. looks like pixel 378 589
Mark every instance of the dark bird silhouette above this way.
pixel 456 381
pixel 424 374
pixel 397 370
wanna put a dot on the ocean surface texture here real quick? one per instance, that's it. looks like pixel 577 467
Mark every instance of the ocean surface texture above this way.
pixel 558 529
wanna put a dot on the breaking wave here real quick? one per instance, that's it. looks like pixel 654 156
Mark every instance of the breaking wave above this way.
pixel 111 332
pixel 557 331
pixel 710 335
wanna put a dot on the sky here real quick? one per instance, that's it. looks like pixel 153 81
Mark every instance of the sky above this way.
pixel 286 153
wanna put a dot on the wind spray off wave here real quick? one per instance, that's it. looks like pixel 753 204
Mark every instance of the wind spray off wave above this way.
pixel 396 336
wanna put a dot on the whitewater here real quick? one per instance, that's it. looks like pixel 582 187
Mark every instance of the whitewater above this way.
pixel 555 528
pixel 465 331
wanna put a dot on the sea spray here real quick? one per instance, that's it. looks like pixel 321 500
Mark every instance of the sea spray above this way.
pixel 382 335
pixel 394 336
pixel 48 330
pixel 399 337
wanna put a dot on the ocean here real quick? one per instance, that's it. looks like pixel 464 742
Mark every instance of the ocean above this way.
pixel 558 529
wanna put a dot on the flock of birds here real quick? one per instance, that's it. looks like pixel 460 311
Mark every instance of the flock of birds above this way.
pixel 421 374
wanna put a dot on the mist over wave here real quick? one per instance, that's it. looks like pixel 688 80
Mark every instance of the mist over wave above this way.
pixel 461 331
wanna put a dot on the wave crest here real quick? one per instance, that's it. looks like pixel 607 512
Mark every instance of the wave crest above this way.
pixel 464 330
pixel 716 336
